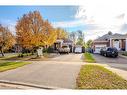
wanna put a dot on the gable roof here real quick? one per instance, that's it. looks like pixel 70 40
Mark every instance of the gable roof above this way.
pixel 113 36
pixel 119 36
pixel 67 41
pixel 103 38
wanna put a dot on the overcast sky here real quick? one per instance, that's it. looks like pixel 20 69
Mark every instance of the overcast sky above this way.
pixel 95 18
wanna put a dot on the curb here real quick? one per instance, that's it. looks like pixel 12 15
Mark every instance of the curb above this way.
pixel 29 85
pixel 104 65
pixel 121 73
pixel 122 56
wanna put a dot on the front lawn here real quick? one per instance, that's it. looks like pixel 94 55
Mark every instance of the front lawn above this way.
pixel 6 57
pixel 23 57
pixel 98 77
pixel 125 53
pixel 11 65
pixel 89 58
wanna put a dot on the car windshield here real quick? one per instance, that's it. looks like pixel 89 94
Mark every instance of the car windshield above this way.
pixel 111 49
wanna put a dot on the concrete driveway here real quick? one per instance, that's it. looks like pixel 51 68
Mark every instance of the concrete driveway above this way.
pixel 119 62
pixel 60 72
pixel 72 57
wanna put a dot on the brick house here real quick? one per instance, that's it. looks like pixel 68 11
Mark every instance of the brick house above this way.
pixel 118 41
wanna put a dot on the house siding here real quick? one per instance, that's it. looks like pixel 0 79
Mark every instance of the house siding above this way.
pixel 109 40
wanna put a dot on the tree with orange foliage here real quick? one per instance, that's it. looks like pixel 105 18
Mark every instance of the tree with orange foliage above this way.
pixel 7 40
pixel 61 33
pixel 28 30
pixel 49 34
pixel 33 31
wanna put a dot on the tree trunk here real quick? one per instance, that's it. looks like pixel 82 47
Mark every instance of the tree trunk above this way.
pixel 2 53
pixel 46 46
pixel 32 51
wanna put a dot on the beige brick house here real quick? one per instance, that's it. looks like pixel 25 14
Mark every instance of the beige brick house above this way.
pixel 118 41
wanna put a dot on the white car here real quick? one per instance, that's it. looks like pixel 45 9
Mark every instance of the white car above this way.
pixel 64 49
pixel 78 49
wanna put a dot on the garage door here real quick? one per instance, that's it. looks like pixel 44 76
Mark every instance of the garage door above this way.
pixel 98 48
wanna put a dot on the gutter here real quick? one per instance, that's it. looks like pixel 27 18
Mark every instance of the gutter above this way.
pixel 120 55
pixel 22 85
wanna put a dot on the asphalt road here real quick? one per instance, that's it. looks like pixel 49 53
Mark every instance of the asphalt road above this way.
pixel 119 62
pixel 60 72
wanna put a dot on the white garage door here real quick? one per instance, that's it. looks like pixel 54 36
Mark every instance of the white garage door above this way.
pixel 98 48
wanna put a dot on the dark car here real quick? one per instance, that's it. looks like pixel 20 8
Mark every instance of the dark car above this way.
pixel 109 52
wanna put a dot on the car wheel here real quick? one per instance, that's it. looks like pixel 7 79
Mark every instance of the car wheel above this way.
pixel 105 55
pixel 116 56
pixel 113 56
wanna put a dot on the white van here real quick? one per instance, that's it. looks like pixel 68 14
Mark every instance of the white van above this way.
pixel 78 49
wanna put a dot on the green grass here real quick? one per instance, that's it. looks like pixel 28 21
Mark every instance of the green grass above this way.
pixel 98 77
pixel 125 53
pixel 8 57
pixel 16 56
pixel 11 65
pixel 89 58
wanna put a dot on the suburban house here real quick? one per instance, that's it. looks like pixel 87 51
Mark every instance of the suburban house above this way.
pixel 60 42
pixel 17 48
pixel 118 41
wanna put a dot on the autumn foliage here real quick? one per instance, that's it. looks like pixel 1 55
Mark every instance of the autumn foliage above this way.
pixel 61 33
pixel 7 40
pixel 33 31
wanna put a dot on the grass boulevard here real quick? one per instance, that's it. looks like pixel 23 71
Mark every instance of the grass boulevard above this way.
pixel 98 77
pixel 4 66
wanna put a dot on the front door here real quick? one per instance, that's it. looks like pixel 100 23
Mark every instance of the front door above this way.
pixel 117 44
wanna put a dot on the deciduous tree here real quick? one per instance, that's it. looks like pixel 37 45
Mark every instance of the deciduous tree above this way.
pixel 89 43
pixel 80 40
pixel 33 31
pixel 7 40
pixel 73 36
pixel 28 30
pixel 49 34
pixel 61 33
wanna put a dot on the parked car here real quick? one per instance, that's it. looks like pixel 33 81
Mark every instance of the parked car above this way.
pixel 90 50
pixel 78 49
pixel 64 49
pixel 109 52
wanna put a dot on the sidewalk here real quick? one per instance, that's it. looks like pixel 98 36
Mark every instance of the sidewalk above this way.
pixel 122 56
pixel 120 72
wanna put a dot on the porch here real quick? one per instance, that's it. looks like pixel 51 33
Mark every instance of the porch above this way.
pixel 120 44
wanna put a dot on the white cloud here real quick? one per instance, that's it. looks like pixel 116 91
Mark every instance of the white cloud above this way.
pixel 65 24
pixel 10 24
pixel 107 15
